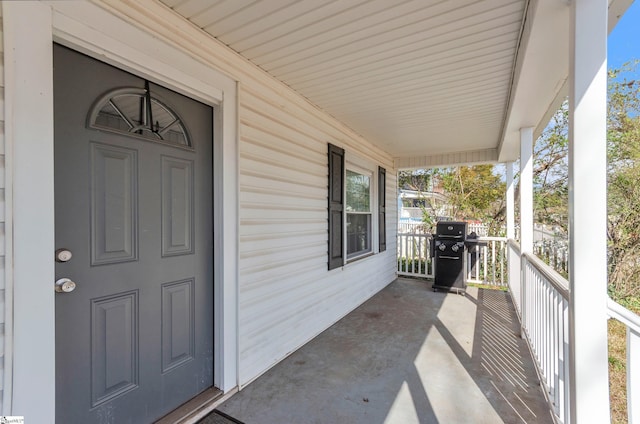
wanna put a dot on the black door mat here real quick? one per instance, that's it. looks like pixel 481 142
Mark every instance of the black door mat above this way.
pixel 218 417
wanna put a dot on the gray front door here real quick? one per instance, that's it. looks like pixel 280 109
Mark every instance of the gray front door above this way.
pixel 133 196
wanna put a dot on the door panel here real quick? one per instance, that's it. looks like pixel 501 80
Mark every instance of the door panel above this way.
pixel 114 346
pixel 114 190
pixel 177 206
pixel 177 324
pixel 134 340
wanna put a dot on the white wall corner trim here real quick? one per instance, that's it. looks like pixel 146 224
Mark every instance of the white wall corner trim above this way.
pixel 29 99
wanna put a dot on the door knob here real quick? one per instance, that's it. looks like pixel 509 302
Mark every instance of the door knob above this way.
pixel 65 285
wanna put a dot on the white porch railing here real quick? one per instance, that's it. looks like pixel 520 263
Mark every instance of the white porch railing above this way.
pixel 543 303
pixel 484 265
pixel 479 228
pixel 419 227
pixel 544 312
pixel 514 266
pixel 553 252
pixel 412 227
pixel 413 255
pixel 487 264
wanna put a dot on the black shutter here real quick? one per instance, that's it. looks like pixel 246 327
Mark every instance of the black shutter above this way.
pixel 336 206
pixel 382 205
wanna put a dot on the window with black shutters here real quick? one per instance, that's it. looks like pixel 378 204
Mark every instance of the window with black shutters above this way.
pixel 357 215
pixel 382 209
pixel 336 206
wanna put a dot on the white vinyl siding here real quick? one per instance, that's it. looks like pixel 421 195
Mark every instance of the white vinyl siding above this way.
pixel 287 296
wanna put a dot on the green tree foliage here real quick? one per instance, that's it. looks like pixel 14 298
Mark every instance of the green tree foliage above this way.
pixel 623 190
pixel 476 193
pixel 623 226
pixel 417 180
pixel 550 172
pixel 420 180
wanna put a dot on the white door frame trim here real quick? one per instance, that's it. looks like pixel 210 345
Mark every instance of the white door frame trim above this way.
pixel 29 365
pixel 92 30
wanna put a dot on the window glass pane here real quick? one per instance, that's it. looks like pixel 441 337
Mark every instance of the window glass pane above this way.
pixel 358 192
pixel 358 234
pixel 125 110
pixel 109 117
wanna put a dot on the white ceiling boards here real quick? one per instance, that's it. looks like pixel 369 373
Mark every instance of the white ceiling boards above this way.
pixel 419 78
pixel 406 75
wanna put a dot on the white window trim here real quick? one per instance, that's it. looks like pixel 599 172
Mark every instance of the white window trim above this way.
pixel 357 164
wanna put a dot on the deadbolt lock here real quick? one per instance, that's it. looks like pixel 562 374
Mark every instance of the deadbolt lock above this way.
pixel 63 255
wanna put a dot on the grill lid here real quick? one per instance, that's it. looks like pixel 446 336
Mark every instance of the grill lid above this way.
pixel 451 229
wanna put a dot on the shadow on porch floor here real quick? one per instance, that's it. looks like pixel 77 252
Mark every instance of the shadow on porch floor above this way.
pixel 408 355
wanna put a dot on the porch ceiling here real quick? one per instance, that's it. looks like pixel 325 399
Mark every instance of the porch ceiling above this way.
pixel 419 78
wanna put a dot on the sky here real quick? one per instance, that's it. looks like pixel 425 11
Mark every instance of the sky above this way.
pixel 624 41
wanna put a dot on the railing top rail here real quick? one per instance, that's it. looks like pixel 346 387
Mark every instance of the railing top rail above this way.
pixel 623 315
pixel 487 238
pixel 481 238
pixel 557 281
pixel 514 244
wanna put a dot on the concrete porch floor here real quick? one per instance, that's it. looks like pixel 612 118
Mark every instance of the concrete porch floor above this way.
pixel 408 355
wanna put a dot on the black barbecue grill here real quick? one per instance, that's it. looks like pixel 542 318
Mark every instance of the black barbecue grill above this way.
pixel 448 248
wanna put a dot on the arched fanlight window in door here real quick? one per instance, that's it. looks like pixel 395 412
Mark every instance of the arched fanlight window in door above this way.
pixel 138 112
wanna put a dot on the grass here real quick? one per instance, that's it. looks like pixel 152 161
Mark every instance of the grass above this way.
pixel 617 371
pixel 617 365
pixel 488 286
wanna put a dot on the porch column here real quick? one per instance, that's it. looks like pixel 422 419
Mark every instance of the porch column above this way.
pixel 526 211
pixel 511 210
pixel 526 190
pixel 513 256
pixel 588 376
